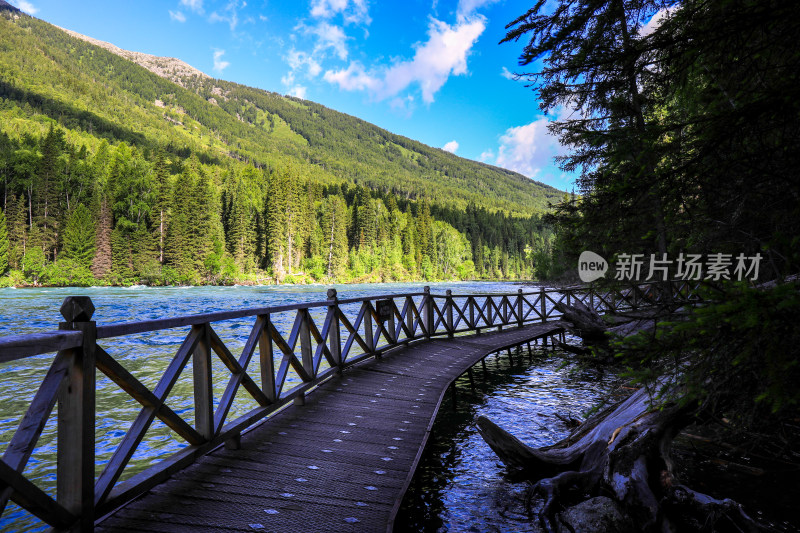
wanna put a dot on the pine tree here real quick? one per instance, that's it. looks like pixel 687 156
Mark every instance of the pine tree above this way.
pixel 101 264
pixel 162 195
pixel 4 244
pixel 334 227
pixel 79 237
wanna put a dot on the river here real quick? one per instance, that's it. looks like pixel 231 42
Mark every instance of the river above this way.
pixel 464 482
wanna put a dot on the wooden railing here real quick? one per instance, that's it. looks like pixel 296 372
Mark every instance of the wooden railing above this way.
pixel 352 330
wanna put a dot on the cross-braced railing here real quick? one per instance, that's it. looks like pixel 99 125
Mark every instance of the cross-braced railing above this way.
pixel 289 365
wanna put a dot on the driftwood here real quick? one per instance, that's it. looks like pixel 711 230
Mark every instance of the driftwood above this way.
pixel 623 452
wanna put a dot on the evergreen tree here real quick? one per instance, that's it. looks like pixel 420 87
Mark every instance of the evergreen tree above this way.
pixel 4 244
pixel 79 237
pixel 101 263
pixel 334 227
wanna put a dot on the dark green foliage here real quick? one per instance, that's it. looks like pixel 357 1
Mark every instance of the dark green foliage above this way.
pixel 736 356
pixel 686 138
pixel 4 245
pixel 79 237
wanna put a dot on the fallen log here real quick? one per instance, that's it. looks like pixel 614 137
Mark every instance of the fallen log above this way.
pixel 622 452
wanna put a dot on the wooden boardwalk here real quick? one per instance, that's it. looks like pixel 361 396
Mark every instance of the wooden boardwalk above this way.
pixel 341 462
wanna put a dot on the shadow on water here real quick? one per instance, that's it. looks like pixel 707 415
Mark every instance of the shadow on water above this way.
pixel 460 484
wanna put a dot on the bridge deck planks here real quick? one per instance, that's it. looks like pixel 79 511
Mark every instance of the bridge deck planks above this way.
pixel 339 463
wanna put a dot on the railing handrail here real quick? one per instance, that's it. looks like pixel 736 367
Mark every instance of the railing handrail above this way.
pixel 70 381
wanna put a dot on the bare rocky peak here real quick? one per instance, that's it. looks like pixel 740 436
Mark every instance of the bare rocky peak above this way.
pixel 170 68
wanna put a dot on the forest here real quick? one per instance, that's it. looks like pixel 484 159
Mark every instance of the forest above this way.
pixel 123 215
pixel 112 174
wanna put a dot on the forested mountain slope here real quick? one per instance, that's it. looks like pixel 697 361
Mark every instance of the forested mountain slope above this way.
pixel 83 85
pixel 113 173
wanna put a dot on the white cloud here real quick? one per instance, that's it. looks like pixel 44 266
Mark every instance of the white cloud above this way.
pixel 655 21
pixel 353 78
pixel 529 149
pixel 466 8
pixel 177 15
pixel 442 55
pixel 26 6
pixel 486 155
pixel 298 91
pixel 507 74
pixel 219 64
pixel 353 11
pixel 230 14
pixel 297 59
pixel 451 147
pixel 194 5
pixel 329 36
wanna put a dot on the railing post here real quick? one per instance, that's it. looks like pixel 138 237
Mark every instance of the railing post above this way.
pixel 307 356
pixel 542 305
pixel 449 306
pixel 369 333
pixel 76 416
pixel 427 312
pixel 334 333
pixel 390 325
pixel 519 307
pixel 410 316
pixel 471 305
pixel 266 360
pixel 203 391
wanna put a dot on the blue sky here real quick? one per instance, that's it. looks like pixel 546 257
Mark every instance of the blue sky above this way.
pixel 431 70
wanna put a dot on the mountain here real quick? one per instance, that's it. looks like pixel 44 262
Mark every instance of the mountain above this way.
pixel 120 167
pixel 101 88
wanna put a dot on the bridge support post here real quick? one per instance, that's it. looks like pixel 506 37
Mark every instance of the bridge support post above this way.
pixel 519 307
pixel 76 416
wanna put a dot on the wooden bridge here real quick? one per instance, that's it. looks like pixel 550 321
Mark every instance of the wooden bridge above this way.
pixel 339 459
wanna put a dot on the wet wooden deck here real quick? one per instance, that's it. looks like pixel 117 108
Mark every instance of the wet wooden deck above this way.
pixel 341 462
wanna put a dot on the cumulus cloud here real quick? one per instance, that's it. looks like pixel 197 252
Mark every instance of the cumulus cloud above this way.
pixel 177 15
pixel 299 91
pixel 353 78
pixel 219 64
pixel 352 11
pixel 444 54
pixel 451 147
pixel 297 59
pixel 486 155
pixel 528 149
pixel 507 74
pixel 656 21
pixel 329 36
pixel 194 5
pixel 26 6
